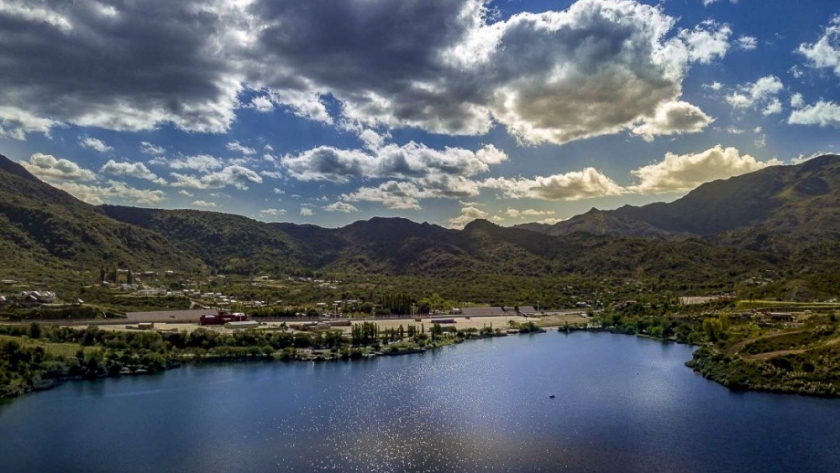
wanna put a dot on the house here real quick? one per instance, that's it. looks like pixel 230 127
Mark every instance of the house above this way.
pixel 527 310
pixel 242 324
pixel 780 316
pixel 483 311
pixel 36 297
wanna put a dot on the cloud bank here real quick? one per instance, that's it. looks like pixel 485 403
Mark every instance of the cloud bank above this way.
pixel 444 66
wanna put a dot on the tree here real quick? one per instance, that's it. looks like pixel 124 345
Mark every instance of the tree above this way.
pixel 35 330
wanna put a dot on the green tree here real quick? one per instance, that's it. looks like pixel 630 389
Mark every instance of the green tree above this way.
pixel 35 330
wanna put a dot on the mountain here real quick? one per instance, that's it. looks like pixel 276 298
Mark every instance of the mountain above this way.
pixel 788 212
pixel 42 227
pixel 400 247
pixel 718 232
pixel 224 242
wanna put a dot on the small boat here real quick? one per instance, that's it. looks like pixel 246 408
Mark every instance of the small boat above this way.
pixel 552 396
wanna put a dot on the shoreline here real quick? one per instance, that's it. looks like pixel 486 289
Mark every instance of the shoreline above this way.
pixel 704 361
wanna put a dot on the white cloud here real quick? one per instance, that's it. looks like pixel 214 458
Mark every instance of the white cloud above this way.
pixel 575 185
pixel 235 176
pixel 797 100
pixel 772 108
pixel 95 144
pixel 261 103
pixel 391 194
pixel 673 118
pixel 515 213
pixel 825 53
pixel 680 173
pixel 185 193
pixel 202 163
pixel 714 86
pixel 411 160
pixel 707 41
pixel 306 212
pixel 51 169
pixel 340 207
pixel 36 13
pixel 204 203
pixel 821 113
pixel 113 192
pixel 761 93
pixel 306 104
pixel 273 212
pixel 760 137
pixel 468 214
pixel 589 91
pixel 16 122
pixel 747 43
pixel 237 147
pixel 372 139
pixel 149 148
pixel 137 170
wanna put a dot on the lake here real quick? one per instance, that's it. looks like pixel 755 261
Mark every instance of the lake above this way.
pixel 622 404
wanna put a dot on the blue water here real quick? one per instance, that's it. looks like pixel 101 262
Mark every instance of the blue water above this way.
pixel 623 404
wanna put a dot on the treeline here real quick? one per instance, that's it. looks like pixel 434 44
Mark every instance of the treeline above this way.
pixel 52 313
pixel 36 356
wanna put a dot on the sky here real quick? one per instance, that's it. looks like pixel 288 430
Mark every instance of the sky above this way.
pixel 441 111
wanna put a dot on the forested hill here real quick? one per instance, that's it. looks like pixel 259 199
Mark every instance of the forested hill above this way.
pixel 396 246
pixel 41 226
pixel 777 199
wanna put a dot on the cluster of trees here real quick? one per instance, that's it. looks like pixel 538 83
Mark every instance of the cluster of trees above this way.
pixel 36 355
pixel 51 313
pixel 116 275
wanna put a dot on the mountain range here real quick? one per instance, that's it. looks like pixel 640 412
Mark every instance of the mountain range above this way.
pixel 781 217
pixel 787 212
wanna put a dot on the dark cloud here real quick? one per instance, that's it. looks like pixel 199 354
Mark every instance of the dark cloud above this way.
pixel 441 65
pixel 123 65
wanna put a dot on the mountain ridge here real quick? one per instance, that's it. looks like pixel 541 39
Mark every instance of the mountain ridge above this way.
pixel 715 207
pixel 54 228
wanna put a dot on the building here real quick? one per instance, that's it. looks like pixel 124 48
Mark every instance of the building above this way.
pixel 485 311
pixel 242 324
pixel 36 297
pixel 528 310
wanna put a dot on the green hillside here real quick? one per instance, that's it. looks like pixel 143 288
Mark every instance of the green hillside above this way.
pixel 44 229
pixel 779 219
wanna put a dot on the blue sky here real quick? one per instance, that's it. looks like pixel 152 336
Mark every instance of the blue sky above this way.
pixel 328 112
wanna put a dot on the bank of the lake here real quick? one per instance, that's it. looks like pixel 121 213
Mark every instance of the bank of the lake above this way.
pixel 621 404
pixel 38 357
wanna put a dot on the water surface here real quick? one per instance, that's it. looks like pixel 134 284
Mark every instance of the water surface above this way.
pixel 622 404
